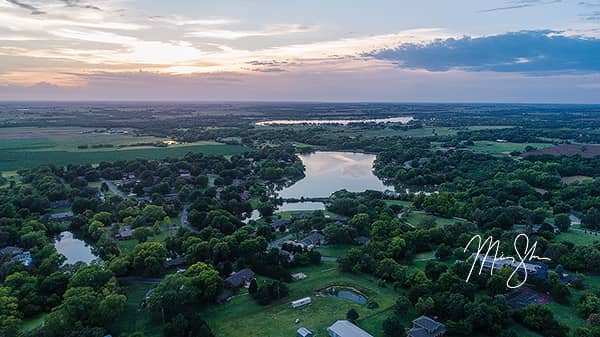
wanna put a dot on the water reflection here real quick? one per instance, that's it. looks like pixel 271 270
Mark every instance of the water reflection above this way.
pixel 327 172
pixel 73 249
pixel 301 206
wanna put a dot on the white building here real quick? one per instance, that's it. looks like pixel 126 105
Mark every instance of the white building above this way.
pixel 343 328
pixel 301 302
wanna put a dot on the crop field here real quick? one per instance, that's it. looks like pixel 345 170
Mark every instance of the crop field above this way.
pixel 30 147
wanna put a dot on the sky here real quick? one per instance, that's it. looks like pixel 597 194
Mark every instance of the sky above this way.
pixel 513 51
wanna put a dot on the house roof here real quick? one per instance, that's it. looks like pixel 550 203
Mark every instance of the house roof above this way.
pixel 10 250
pixel 343 328
pixel 418 332
pixel 304 332
pixel 430 326
pixel 313 238
pixel 237 279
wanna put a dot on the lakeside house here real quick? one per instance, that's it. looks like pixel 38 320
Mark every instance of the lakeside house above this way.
pixel 426 327
pixel 239 279
pixel 344 328
pixel 16 254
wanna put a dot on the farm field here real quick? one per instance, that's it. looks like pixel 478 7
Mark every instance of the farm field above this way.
pixel 30 147
pixel 242 316
pixel 504 148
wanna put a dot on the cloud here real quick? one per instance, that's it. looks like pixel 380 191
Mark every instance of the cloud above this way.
pixel 533 52
pixel 34 10
pixel 80 4
pixel 516 4
pixel 183 21
pixel 271 30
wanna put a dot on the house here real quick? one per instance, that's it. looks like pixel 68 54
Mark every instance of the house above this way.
pixel 536 228
pixel 24 258
pixel 240 278
pixel 301 302
pixel 10 251
pixel 185 173
pixel 64 216
pixel 537 270
pixel 59 204
pixel 147 296
pixel 304 332
pixel 245 196
pixel 343 328
pixel 426 327
pixel 125 233
pixel 314 239
pixel 277 224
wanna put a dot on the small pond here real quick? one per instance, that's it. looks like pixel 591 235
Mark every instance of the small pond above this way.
pixel 75 250
pixel 346 294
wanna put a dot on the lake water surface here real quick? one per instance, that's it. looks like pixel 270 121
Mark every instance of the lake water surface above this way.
pixel 327 172
pixel 75 250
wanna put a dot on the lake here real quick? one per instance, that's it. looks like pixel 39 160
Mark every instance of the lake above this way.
pixel 75 250
pixel 327 172
pixel 402 120
pixel 301 206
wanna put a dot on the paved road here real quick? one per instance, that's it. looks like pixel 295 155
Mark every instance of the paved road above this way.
pixel 184 219
pixel 114 188
pixel 276 243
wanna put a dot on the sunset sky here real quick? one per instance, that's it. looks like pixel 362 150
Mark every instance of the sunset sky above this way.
pixel 400 51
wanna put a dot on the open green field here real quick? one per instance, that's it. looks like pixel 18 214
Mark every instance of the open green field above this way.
pixel 577 238
pixel 19 159
pixel 30 147
pixel 415 218
pixel 398 202
pixel 135 317
pixel 242 316
pixel 504 148
pixel 334 250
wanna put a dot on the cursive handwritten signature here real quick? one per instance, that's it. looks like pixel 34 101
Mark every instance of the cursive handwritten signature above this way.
pixel 520 265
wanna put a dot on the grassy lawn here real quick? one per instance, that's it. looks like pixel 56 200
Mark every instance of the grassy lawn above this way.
pixel 399 202
pixel 127 246
pixel 135 317
pixel 334 250
pixel 415 218
pixel 243 317
pixel 33 323
pixel 504 148
pixel 573 179
pixel 576 238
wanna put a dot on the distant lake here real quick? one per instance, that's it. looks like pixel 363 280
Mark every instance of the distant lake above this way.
pixel 75 250
pixel 402 120
pixel 328 172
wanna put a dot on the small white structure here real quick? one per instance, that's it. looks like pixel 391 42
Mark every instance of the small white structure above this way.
pixel 304 332
pixel 299 276
pixel 301 302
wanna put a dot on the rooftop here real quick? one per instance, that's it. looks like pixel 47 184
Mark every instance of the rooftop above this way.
pixel 345 328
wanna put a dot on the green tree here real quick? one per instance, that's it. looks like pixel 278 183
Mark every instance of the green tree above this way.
pixel 352 315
